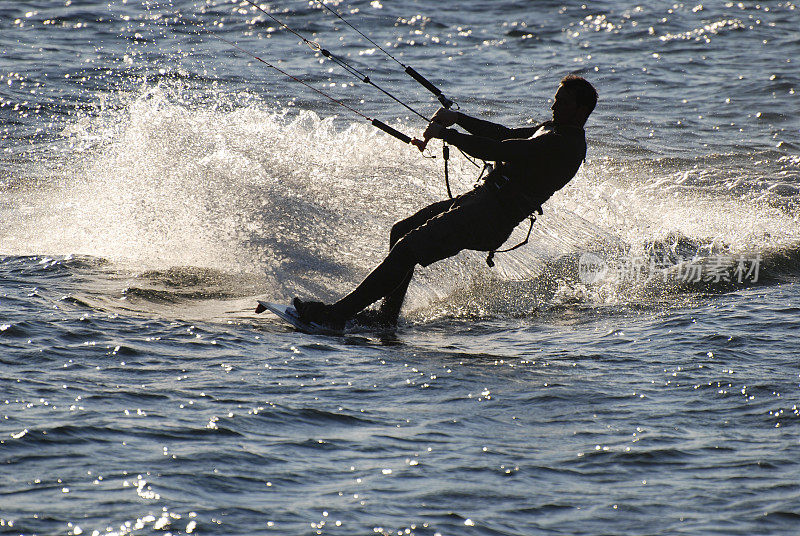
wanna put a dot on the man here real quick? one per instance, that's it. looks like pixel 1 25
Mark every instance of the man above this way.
pixel 533 162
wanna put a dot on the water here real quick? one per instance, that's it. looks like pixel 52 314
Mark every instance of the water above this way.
pixel 156 182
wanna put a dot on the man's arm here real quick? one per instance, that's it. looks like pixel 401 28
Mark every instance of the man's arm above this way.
pixel 495 131
pixel 491 149
pixel 481 127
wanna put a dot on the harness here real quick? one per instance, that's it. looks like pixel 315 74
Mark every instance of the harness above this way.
pixel 531 217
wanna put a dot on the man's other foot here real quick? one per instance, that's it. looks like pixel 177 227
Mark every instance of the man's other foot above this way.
pixel 318 313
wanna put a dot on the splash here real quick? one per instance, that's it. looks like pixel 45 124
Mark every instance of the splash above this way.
pixel 162 183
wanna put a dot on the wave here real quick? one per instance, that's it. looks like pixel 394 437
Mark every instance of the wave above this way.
pixel 617 283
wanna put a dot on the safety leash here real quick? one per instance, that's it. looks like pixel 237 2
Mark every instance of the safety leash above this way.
pixel 532 219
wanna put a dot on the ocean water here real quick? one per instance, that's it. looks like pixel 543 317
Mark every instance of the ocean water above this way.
pixel 632 370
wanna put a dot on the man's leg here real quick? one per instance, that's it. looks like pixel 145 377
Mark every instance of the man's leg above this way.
pixel 393 302
pixel 446 231
pixel 382 281
pixel 390 308
pixel 389 278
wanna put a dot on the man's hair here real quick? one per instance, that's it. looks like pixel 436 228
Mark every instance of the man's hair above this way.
pixel 585 93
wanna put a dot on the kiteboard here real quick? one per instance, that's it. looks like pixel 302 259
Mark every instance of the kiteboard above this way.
pixel 288 314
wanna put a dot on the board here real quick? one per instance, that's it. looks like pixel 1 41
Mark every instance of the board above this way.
pixel 288 314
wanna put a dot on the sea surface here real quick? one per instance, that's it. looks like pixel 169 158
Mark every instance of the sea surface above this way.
pixel 633 370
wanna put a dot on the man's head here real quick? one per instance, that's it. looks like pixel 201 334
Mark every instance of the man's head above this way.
pixel 574 101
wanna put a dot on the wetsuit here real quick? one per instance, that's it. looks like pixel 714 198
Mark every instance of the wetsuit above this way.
pixel 534 162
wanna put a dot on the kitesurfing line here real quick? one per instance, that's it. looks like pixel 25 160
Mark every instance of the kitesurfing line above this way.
pixel 314 45
pixel 447 103
pixel 375 122
pixel 419 144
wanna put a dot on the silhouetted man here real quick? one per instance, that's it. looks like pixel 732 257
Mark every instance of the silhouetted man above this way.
pixel 534 162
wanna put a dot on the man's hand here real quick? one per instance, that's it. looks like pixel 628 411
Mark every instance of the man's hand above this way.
pixel 434 130
pixel 442 119
pixel 445 117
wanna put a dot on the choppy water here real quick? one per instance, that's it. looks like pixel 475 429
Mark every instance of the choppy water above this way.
pixel 157 181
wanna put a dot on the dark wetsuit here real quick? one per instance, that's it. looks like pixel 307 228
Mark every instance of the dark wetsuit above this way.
pixel 534 162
